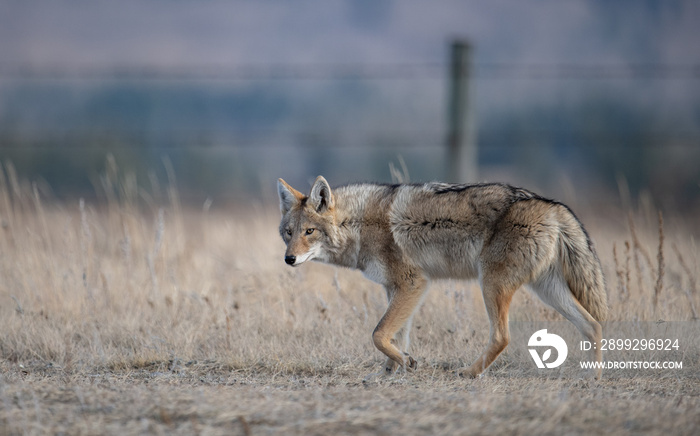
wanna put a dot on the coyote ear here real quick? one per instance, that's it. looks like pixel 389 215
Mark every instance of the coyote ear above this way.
pixel 288 196
pixel 321 198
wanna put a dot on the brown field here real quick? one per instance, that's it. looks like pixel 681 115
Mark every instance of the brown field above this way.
pixel 124 317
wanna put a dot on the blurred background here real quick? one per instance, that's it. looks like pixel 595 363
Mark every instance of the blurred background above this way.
pixel 590 98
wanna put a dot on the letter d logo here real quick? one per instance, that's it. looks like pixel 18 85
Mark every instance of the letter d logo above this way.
pixel 543 339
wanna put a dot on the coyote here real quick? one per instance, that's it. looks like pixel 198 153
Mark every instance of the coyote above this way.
pixel 403 235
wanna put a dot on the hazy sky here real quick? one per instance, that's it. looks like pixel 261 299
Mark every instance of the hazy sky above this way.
pixel 165 33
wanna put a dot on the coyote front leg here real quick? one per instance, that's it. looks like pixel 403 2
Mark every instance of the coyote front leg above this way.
pixel 393 329
pixel 401 341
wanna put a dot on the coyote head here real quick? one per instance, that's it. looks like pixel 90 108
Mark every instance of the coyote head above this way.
pixel 308 222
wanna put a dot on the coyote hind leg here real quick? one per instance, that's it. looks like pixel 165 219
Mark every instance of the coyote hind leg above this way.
pixel 553 290
pixel 497 298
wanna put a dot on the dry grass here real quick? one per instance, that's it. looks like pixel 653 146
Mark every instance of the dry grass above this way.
pixel 126 317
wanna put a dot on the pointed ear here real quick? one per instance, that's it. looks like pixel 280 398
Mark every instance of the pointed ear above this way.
pixel 288 196
pixel 321 198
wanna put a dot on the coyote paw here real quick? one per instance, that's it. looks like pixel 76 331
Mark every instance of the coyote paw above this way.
pixel 391 368
pixel 468 373
pixel 410 363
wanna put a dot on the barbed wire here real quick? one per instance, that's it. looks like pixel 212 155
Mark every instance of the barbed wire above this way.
pixel 352 71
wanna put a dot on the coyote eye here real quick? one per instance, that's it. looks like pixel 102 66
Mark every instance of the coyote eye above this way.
pixel 310 231
pixel 289 232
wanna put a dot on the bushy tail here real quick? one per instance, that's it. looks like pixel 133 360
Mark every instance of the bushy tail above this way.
pixel 581 266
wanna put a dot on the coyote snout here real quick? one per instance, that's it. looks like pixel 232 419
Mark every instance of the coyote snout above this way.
pixel 402 236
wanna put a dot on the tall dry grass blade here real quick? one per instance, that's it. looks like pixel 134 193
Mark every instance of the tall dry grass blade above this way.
pixel 660 264
pixel 153 256
pixel 155 187
pixel 637 249
pixel 686 269
pixel 15 186
pixel 48 245
pixel 619 274
pixel 126 250
pixel 18 308
pixel 9 213
pixel 109 182
pixel 160 229
pixel 635 252
pixel 174 197
pixel 85 243
pixel 628 270
pixel 638 246
pixel 623 189
pixel 42 217
pixel 646 208
pixel 399 175
pixel 129 192
pixel 692 289
pixel 691 305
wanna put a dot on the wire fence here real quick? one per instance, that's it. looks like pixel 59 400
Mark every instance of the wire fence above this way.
pixel 354 71
pixel 43 138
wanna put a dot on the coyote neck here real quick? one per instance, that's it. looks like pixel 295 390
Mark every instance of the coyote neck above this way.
pixel 362 229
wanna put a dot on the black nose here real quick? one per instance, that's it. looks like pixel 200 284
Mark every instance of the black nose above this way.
pixel 290 259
